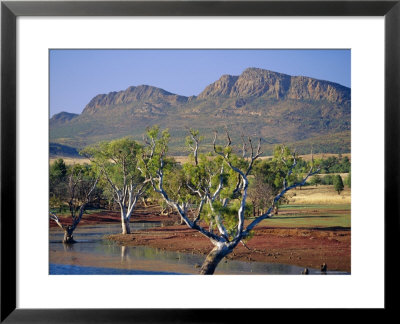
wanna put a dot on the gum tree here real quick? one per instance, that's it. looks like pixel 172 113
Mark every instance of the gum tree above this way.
pixel 80 189
pixel 117 163
pixel 220 184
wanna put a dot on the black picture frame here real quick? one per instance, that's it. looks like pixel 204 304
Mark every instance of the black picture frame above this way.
pixel 10 10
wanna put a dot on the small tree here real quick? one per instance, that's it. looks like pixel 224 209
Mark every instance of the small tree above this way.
pixel 79 190
pixel 315 180
pixel 57 184
pixel 260 194
pixel 58 170
pixel 338 184
pixel 117 162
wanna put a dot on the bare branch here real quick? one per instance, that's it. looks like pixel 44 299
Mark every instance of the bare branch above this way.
pixel 82 208
pixel 253 156
pixel 244 244
pixel 244 146
pixel 229 142
pixel 56 219
pixel 196 141
pixel 199 210
pixel 220 185
pixel 218 221
pixel 193 190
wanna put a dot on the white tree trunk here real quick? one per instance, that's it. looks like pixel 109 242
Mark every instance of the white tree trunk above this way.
pixel 125 222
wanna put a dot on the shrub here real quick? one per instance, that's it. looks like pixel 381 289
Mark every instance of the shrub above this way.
pixel 338 184
pixel 327 180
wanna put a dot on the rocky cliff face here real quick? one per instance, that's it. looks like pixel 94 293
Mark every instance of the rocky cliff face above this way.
pixel 255 82
pixel 221 87
pixel 142 93
pixel 312 89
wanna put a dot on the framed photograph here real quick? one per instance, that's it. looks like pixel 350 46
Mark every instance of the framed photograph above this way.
pixel 245 125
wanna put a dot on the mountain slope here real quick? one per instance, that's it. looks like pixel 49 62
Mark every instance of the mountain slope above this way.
pixel 278 107
pixel 62 118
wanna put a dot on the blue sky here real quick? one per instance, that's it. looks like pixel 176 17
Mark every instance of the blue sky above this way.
pixel 76 76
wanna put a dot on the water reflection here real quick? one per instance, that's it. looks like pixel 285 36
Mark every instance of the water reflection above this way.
pixel 124 253
pixel 95 255
pixel 66 269
pixel 68 247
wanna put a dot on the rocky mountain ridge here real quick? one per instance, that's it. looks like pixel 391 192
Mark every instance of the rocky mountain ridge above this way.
pixel 276 106
pixel 259 82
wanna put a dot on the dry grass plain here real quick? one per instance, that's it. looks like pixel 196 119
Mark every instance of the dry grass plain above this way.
pixel 183 159
pixel 70 160
pixel 306 157
pixel 320 195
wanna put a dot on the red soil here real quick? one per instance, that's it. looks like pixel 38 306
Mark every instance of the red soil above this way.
pixel 150 214
pixel 304 247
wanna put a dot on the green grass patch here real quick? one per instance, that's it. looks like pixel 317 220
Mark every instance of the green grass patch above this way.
pixel 320 216
pixel 311 206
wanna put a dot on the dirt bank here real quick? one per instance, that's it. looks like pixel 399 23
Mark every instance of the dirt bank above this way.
pixel 141 214
pixel 305 247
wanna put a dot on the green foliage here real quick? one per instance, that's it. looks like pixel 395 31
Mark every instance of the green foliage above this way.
pixel 84 171
pixel 274 171
pixel 82 177
pixel 116 161
pixel 335 164
pixel 157 146
pixel 175 183
pixel 338 183
pixel 327 180
pixel 57 183
pixel 187 183
pixel 315 180
pixel 69 186
pixel 228 214
pixel 207 175
pixel 197 183
pixel 58 170
pixel 56 204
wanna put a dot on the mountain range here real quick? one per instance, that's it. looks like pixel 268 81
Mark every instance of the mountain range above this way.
pixel 296 110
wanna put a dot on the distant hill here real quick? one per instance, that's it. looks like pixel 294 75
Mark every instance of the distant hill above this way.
pixel 295 110
pixel 56 149
pixel 62 118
